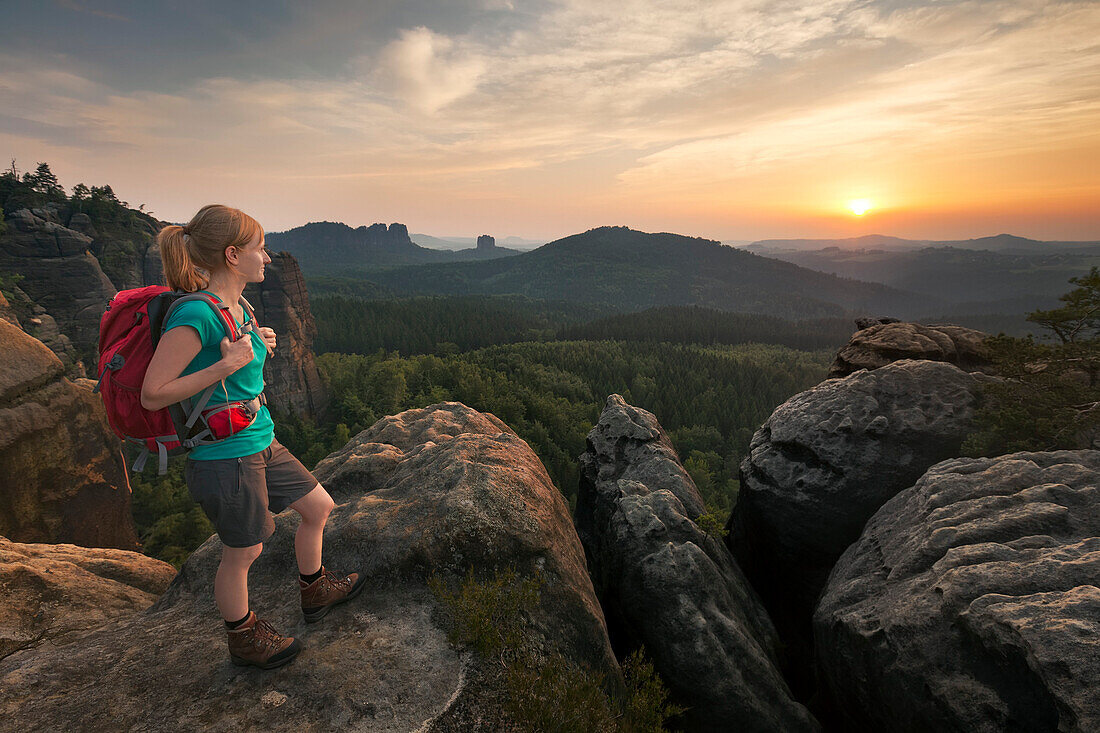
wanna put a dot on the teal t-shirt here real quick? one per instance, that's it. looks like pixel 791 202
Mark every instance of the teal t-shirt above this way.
pixel 242 385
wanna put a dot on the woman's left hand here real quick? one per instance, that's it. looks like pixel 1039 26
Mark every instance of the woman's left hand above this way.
pixel 268 335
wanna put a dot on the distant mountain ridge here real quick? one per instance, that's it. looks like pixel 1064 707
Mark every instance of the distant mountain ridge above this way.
pixel 626 270
pixel 327 247
pixel 998 243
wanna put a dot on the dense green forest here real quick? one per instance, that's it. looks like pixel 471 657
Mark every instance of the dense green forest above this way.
pixel 442 324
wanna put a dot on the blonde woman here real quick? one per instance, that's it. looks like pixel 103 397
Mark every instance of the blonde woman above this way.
pixel 244 478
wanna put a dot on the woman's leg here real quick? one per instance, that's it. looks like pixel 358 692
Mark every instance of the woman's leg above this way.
pixel 231 581
pixel 314 508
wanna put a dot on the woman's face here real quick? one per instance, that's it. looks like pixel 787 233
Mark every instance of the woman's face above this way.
pixel 248 260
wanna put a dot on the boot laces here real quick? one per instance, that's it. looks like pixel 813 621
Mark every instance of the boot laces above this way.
pixel 266 635
pixel 336 582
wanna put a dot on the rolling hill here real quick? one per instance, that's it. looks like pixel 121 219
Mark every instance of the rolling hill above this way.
pixel 626 270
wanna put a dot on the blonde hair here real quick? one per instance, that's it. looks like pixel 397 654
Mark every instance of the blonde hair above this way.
pixel 191 252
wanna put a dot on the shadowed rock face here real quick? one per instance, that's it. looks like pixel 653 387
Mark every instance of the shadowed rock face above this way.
pixel 282 303
pixel 883 343
pixel 666 585
pixel 824 462
pixel 970 602
pixel 59 272
pixel 53 594
pixel 62 477
pixel 457 488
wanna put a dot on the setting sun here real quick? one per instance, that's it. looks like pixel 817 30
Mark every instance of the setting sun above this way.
pixel 859 207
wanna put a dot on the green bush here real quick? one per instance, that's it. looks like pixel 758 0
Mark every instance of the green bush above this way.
pixel 546 691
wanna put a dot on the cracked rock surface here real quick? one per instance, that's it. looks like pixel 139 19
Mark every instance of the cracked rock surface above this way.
pixel 970 602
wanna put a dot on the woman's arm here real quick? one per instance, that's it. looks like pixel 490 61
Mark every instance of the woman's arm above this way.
pixel 163 384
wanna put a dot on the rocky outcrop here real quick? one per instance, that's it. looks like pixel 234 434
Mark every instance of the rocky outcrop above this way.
pixel 36 322
pixel 60 274
pixel 293 383
pixel 665 585
pixel 824 462
pixel 970 602
pixel 62 477
pixel 485 241
pixel 55 594
pixel 880 344
pixel 456 488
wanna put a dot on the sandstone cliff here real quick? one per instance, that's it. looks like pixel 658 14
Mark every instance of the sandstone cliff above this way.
pixel 665 584
pixel 293 383
pixel 62 477
pixel 60 273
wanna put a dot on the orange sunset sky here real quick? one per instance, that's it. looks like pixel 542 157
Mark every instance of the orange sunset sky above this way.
pixel 729 120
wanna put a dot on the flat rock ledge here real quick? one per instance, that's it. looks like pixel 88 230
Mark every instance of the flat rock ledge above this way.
pixel 970 602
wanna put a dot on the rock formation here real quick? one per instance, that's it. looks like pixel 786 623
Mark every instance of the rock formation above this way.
pixel 293 383
pixel 663 583
pixel 54 594
pixel 881 343
pixel 439 489
pixel 484 241
pixel 60 273
pixel 970 602
pixel 824 462
pixel 35 321
pixel 62 477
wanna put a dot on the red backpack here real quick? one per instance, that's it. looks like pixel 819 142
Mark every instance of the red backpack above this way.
pixel 129 332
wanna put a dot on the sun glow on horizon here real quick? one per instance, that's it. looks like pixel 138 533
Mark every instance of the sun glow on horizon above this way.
pixel 859 207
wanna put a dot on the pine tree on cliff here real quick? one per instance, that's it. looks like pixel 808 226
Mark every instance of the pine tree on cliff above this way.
pixel 1049 398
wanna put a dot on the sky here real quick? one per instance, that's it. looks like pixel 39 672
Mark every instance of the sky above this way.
pixel 737 120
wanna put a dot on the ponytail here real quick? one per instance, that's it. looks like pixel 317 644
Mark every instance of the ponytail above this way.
pixel 180 270
pixel 192 252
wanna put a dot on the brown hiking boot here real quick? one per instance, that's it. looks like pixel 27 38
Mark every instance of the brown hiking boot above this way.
pixel 327 591
pixel 256 642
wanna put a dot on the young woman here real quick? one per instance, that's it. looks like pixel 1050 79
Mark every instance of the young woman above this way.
pixel 240 480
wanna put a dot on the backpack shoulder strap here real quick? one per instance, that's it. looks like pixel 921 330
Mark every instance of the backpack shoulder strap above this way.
pixel 221 311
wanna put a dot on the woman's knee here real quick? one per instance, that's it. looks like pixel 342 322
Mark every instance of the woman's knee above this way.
pixel 315 506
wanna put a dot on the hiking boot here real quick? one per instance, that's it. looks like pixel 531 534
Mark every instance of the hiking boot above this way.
pixel 256 642
pixel 327 591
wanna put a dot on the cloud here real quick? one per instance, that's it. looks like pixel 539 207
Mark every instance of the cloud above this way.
pixel 632 99
pixel 427 70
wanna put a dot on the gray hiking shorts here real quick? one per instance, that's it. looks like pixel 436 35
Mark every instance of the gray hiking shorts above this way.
pixel 239 495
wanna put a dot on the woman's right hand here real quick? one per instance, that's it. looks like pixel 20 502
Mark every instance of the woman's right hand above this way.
pixel 236 354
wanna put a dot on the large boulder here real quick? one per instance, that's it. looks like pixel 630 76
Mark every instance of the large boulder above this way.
pixel 824 462
pixel 970 602
pixel 62 475
pixel 668 586
pixel 882 343
pixel 55 594
pixel 457 489
pixel 293 383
